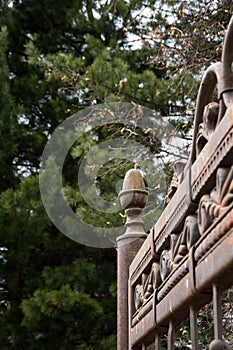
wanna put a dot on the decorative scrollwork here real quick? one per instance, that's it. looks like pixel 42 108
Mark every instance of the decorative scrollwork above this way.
pixel 138 296
pixel 166 264
pixel 187 239
pixel 180 245
pixel 213 205
pixel 207 127
pixel 149 283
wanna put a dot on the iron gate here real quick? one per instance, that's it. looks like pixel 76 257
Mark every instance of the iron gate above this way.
pixel 186 261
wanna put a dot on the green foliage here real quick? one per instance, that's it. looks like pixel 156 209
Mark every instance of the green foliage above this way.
pixel 53 290
pixel 63 310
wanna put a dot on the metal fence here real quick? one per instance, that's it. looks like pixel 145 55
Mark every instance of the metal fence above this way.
pixel 168 276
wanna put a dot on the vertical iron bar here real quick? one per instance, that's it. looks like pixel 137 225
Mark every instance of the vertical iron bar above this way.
pixel 171 336
pixel 193 328
pixel 157 342
pixel 217 303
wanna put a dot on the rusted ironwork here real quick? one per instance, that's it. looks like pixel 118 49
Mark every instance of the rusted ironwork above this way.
pixel 186 261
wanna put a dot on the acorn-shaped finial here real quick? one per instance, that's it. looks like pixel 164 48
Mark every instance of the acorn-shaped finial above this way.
pixel 218 344
pixel 133 198
pixel 133 193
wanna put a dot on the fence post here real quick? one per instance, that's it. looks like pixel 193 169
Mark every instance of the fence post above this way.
pixel 133 198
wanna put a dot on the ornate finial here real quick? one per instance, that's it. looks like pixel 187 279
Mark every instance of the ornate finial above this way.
pixel 133 198
pixel 218 344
